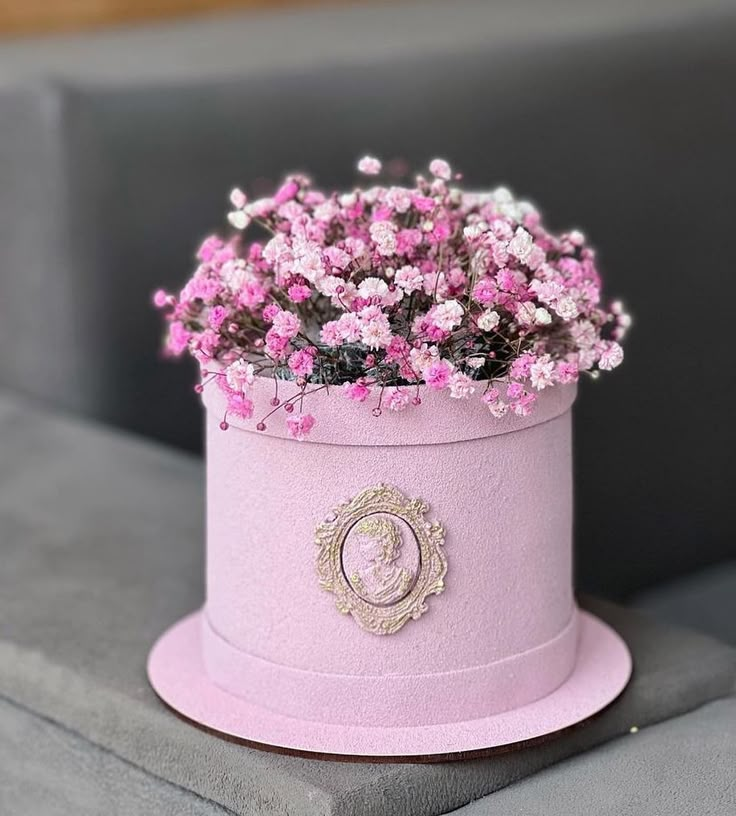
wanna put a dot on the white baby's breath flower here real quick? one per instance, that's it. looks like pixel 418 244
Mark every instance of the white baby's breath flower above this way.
pixel 441 169
pixel 566 308
pixel 521 245
pixel 542 317
pixel 526 313
pixel 238 198
pixel 372 287
pixel 240 375
pixel 475 230
pixel 461 386
pixel 238 219
pixel 369 166
pixel 448 315
pixel 488 320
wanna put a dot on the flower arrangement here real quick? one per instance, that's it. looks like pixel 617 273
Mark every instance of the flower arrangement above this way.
pixel 380 291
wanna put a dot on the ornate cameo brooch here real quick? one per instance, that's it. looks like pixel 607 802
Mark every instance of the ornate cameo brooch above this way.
pixel 381 558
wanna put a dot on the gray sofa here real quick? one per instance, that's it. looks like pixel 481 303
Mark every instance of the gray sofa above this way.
pixel 116 154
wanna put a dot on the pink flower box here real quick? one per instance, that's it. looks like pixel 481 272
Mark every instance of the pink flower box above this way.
pixel 490 647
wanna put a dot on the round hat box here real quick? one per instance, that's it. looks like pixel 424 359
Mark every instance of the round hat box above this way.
pixel 392 586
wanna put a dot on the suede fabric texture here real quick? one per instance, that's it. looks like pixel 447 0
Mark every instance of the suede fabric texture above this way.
pixel 101 539
pixel 681 767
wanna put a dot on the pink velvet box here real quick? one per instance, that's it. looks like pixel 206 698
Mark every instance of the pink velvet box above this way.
pixel 393 586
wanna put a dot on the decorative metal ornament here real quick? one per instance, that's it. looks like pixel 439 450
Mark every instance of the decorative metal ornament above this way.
pixel 381 558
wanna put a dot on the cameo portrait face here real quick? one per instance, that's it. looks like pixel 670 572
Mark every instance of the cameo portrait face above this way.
pixel 381 558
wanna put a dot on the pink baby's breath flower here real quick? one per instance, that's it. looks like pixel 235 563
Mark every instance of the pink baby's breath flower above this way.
pixel 425 204
pixel 369 166
pixel 542 372
pixel 178 339
pixel 337 257
pixel 423 357
pixel 383 233
pixel 399 199
pixel 524 404
pixel 287 324
pixel 330 334
pixel 349 326
pixel 546 291
pixel 485 291
pixel 398 349
pixel 159 298
pixel 611 356
pixel 514 390
pixel 495 404
pixel 566 372
pixel 437 376
pixel 298 293
pixel 357 391
pixel 276 343
pixel 375 331
pixel 520 246
pixel 270 312
pixel 446 316
pixel 301 363
pixel 409 278
pixel 300 426
pixel 373 288
pixel 521 367
pixel 461 386
pixel 397 399
pixel 217 317
pixel 239 405
pixel 526 313
pixel 441 169
pixel 401 285
pixel 286 192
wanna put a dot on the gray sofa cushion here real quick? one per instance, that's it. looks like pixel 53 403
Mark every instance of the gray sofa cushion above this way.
pixel 681 767
pixel 705 600
pixel 48 770
pixel 101 537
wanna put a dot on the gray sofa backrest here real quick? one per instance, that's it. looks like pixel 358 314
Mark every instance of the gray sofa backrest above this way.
pixel 107 187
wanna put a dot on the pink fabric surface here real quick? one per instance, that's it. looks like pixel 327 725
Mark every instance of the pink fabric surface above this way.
pixel 177 672
pixel 341 421
pixel 391 699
